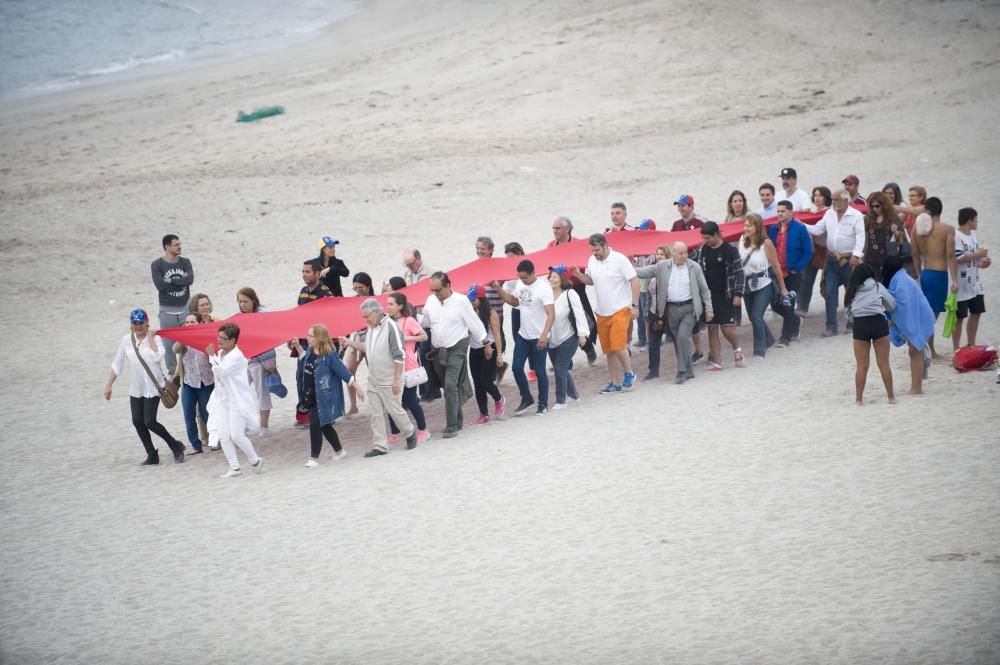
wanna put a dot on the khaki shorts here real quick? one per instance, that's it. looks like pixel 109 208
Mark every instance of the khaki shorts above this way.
pixel 613 330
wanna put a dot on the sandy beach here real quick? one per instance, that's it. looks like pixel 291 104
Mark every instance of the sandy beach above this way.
pixel 748 516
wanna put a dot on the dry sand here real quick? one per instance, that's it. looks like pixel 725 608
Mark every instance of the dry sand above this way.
pixel 754 516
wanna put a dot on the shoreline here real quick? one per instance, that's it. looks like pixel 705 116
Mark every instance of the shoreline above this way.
pixel 162 67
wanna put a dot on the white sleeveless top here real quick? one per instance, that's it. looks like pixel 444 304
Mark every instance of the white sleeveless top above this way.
pixel 754 262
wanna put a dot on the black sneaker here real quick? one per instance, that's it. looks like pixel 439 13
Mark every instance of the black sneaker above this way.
pixel 542 410
pixel 651 376
pixel 523 407
pixel 783 343
pixel 374 452
pixel 680 378
pixel 697 358
pixel 411 441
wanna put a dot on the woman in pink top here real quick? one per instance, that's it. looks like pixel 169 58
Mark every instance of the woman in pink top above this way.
pixel 399 309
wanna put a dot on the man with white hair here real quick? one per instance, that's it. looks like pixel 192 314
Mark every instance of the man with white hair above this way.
pixel 681 292
pixel 562 232
pixel 385 356
pixel 845 241
pixel 452 320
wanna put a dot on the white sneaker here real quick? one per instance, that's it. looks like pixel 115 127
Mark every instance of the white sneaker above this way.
pixel 259 466
pixel 264 432
pixel 232 473
pixel 311 463
pixel 337 456
pixel 558 407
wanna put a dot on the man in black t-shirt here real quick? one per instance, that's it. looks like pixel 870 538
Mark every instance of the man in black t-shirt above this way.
pixel 723 270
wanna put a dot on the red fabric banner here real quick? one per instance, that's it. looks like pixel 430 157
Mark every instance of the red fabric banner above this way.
pixel 262 331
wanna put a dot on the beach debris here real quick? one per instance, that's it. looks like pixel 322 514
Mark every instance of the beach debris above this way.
pixel 263 112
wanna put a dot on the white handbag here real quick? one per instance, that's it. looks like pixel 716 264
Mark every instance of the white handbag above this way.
pixel 415 377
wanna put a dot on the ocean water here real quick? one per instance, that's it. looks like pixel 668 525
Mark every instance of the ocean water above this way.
pixel 54 45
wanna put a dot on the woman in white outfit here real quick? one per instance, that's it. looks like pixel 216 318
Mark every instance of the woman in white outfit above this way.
pixel 232 408
pixel 143 393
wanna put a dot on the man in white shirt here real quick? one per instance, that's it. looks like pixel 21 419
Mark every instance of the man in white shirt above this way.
pixel 769 207
pixel 533 298
pixel 617 288
pixel 685 298
pixel 845 241
pixel 451 320
pixel 798 197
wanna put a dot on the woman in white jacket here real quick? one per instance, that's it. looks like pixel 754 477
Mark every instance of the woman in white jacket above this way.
pixel 569 331
pixel 232 408
pixel 144 396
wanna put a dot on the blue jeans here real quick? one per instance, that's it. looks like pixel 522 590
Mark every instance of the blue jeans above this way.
pixel 189 398
pixel 525 349
pixel 836 276
pixel 643 319
pixel 562 358
pixel 757 303
pixel 412 404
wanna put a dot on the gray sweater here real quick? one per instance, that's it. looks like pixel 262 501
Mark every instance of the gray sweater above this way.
pixel 870 299
pixel 173 287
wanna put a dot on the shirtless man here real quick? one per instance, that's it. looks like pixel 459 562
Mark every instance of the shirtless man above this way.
pixel 934 259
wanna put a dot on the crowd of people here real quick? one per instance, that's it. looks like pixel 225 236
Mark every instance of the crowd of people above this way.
pixel 896 261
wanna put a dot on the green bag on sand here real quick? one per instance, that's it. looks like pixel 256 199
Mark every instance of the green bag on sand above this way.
pixel 264 112
pixel 951 314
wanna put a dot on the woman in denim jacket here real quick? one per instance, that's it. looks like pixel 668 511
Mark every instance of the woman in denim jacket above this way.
pixel 319 375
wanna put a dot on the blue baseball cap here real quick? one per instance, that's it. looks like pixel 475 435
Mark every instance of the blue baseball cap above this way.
pixel 138 316
pixel 684 200
pixel 327 241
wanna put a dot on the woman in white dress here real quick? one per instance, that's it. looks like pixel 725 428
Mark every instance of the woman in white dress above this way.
pixel 232 408
pixel 143 392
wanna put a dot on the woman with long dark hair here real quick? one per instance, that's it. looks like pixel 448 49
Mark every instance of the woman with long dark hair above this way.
pixel 260 365
pixel 143 390
pixel 867 302
pixel 736 207
pixel 355 343
pixel 197 383
pixel 398 307
pixel 760 261
pixel 880 238
pixel 485 359
pixel 569 332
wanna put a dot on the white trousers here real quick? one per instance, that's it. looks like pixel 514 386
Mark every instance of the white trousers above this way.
pixel 232 433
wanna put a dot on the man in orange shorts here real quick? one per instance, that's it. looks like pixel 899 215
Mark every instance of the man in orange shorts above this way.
pixel 617 288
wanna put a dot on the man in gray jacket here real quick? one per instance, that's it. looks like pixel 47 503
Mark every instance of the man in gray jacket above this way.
pixel 681 292
pixel 385 356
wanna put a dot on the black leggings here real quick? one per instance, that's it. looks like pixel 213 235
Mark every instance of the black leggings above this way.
pixel 484 375
pixel 144 420
pixel 317 432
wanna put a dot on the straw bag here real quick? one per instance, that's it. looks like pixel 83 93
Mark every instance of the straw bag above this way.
pixel 168 392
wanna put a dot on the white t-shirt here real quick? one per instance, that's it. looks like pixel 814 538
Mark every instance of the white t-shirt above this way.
pixel 969 284
pixel 532 298
pixel 612 282
pixel 799 199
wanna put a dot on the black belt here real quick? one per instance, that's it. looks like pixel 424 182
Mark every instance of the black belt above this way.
pixel 683 302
